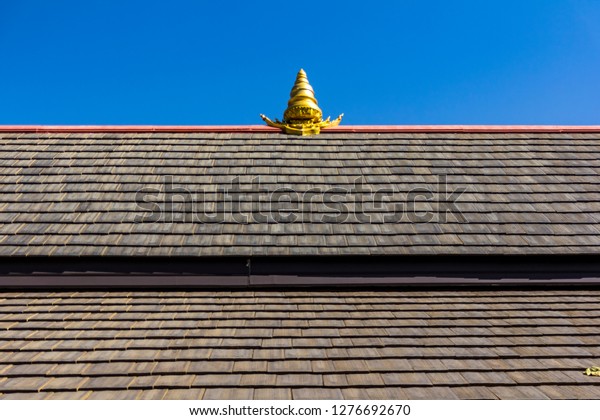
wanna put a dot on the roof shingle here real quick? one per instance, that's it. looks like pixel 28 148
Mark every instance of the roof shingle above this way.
pixel 435 344
pixel 76 194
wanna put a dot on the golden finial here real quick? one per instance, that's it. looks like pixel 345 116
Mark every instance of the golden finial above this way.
pixel 303 116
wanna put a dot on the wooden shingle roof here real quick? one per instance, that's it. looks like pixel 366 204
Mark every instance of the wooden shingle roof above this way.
pixel 74 194
pixel 256 208
pixel 311 344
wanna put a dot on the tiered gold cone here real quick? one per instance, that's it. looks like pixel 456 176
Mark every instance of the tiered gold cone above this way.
pixel 302 105
pixel 303 115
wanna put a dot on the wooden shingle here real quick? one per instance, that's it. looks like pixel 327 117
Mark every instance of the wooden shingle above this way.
pixel 77 197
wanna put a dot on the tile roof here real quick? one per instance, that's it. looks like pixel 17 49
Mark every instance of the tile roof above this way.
pixel 74 194
pixel 351 344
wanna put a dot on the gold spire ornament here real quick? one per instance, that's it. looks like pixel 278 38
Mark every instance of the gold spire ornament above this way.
pixel 303 117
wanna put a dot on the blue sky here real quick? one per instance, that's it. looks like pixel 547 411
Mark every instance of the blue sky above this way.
pixel 224 62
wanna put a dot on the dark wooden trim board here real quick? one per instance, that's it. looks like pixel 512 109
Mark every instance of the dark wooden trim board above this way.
pixel 298 271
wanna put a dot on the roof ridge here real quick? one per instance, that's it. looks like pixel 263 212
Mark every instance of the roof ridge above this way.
pixel 338 129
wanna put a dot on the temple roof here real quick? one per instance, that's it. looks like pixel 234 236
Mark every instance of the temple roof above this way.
pixel 475 205
pixel 343 193
pixel 304 344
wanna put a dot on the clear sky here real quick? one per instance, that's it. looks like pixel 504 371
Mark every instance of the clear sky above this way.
pixel 224 62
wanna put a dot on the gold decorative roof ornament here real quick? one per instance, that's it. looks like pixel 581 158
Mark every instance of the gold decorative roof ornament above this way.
pixel 303 117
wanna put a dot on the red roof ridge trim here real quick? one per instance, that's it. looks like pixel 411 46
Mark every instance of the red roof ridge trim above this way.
pixel 266 129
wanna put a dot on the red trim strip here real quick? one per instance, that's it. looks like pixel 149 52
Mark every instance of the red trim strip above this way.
pixel 466 129
pixel 136 128
pixel 266 129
